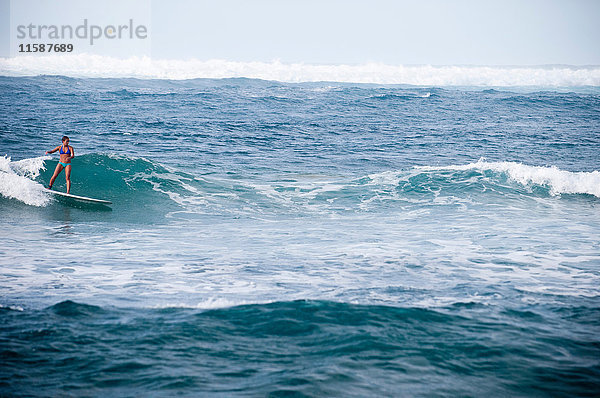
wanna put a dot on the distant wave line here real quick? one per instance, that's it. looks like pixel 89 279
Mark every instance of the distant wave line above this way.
pixel 87 65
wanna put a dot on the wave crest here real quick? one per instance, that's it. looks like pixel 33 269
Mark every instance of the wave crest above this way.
pixel 16 180
pixel 87 65
pixel 556 180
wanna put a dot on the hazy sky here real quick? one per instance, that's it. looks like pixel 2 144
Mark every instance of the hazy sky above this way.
pixel 497 32
pixel 438 32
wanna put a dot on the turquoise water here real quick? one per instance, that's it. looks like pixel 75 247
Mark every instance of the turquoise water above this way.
pixel 315 239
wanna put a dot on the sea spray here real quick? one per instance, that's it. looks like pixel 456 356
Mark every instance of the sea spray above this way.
pixel 16 180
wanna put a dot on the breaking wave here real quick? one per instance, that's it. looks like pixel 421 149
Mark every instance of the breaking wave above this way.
pixel 16 180
pixel 556 180
pixel 140 183
pixel 87 65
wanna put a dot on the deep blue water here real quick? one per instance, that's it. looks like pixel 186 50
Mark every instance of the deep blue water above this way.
pixel 314 239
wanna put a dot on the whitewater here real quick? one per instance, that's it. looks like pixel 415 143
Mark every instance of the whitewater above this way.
pixel 275 234
pixel 143 67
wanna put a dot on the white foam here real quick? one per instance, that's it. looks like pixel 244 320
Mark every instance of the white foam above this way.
pixel 13 308
pixel 557 180
pixel 210 303
pixel 16 180
pixel 87 65
pixel 29 168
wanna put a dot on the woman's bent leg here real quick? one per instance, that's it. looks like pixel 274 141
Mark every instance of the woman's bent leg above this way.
pixel 57 171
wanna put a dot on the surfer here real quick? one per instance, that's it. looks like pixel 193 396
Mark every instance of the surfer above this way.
pixel 66 154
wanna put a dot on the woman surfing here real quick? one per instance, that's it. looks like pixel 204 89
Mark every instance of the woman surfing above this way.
pixel 66 154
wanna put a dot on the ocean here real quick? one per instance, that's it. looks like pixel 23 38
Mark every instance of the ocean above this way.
pixel 280 238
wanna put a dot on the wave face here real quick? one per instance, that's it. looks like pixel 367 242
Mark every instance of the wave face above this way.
pixel 141 185
pixel 555 180
pixel 143 190
pixel 269 238
pixel 86 65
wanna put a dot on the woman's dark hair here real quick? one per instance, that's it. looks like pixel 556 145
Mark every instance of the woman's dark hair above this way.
pixel 64 138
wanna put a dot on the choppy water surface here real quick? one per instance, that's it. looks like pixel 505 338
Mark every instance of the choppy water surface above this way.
pixel 317 239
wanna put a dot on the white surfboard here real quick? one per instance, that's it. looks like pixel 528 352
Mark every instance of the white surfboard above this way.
pixel 80 198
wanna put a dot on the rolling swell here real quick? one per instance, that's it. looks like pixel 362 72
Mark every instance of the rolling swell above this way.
pixel 136 184
pixel 479 183
pixel 311 348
